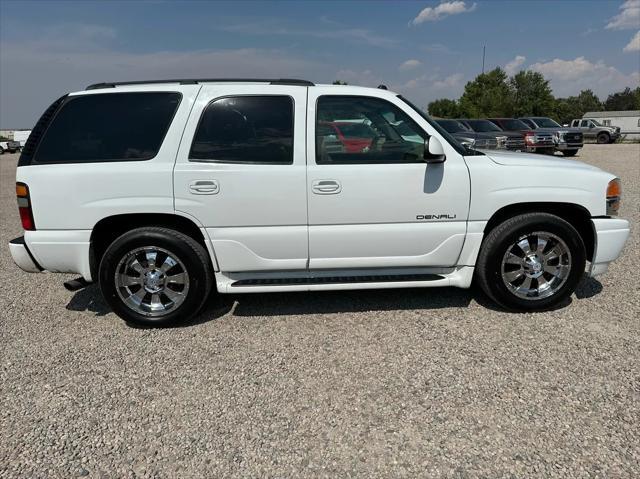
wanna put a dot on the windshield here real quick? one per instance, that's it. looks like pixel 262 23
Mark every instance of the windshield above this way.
pixel 596 122
pixel 513 125
pixel 462 149
pixel 546 123
pixel 482 126
pixel 452 126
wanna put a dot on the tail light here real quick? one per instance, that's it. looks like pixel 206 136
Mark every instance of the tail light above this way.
pixel 24 207
pixel 614 195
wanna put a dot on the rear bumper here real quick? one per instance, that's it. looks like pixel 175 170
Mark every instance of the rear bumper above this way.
pixel 22 256
pixel 64 251
pixel 611 236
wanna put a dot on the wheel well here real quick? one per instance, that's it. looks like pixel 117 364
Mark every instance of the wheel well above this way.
pixel 576 215
pixel 108 229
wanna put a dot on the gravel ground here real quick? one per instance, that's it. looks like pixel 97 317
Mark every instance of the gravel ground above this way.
pixel 385 383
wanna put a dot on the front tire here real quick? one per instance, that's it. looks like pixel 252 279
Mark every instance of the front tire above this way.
pixel 603 138
pixel 531 262
pixel 155 276
pixel 570 152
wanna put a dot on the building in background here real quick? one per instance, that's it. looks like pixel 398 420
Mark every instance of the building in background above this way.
pixel 628 121
pixel 16 135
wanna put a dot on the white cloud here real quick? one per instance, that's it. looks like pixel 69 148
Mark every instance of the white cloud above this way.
pixel 634 44
pixel 272 27
pixel 514 65
pixel 629 16
pixel 359 78
pixel 445 9
pixel 568 77
pixel 410 65
pixel 450 82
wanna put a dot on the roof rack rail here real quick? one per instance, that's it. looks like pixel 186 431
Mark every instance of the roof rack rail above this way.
pixel 193 81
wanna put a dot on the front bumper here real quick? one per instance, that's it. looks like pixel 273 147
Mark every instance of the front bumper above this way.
pixel 611 235
pixel 22 256
pixel 568 146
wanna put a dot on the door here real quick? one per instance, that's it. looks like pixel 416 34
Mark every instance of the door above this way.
pixel 587 129
pixel 241 174
pixel 373 201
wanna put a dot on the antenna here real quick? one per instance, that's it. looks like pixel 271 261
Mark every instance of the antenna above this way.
pixel 483 52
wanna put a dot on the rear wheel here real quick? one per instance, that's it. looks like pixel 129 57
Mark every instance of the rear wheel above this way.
pixel 603 138
pixel 570 152
pixel 531 262
pixel 155 276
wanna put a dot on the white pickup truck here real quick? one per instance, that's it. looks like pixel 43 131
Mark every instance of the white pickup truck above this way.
pixel 164 191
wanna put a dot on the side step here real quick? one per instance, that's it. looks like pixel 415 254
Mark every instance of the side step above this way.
pixel 388 278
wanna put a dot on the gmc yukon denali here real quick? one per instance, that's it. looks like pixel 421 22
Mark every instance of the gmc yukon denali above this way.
pixel 163 192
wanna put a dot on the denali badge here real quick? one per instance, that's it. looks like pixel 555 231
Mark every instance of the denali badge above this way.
pixel 436 217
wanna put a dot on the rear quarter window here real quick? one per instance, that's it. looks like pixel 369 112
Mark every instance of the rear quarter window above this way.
pixel 108 127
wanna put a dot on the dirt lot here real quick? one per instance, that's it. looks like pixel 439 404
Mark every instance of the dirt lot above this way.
pixel 372 384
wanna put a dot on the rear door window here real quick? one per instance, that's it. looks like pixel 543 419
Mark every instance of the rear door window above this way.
pixel 246 129
pixel 108 127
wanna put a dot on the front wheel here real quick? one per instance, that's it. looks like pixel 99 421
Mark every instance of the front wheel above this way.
pixel 531 262
pixel 603 138
pixel 570 152
pixel 155 276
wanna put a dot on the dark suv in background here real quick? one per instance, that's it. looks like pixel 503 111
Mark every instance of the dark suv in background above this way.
pixel 467 136
pixel 506 139
pixel 567 140
pixel 535 141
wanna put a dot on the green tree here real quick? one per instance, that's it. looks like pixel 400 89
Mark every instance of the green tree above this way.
pixel 340 82
pixel 444 108
pixel 565 110
pixel 488 95
pixel 532 95
pixel 626 99
pixel 573 107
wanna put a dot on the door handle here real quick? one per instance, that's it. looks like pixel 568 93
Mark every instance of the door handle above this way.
pixel 204 187
pixel 326 187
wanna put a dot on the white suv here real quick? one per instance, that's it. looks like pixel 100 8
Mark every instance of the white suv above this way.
pixel 162 191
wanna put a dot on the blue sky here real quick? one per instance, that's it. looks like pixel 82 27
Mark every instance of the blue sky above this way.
pixel 423 49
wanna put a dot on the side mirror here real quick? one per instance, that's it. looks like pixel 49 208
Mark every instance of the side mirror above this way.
pixel 433 151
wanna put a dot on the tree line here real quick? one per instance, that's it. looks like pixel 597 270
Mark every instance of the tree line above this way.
pixel 494 94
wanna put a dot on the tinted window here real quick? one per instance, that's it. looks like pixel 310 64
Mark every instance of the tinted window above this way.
pixel 452 126
pixel 352 129
pixel 512 125
pixel 482 126
pixel 546 123
pixel 246 129
pixel 108 127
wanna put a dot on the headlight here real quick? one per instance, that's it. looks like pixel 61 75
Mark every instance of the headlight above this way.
pixel 614 194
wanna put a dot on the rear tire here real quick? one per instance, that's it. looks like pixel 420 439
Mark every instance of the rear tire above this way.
pixel 603 138
pixel 155 276
pixel 570 152
pixel 531 262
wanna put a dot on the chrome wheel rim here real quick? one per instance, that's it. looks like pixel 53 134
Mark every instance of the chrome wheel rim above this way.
pixel 151 281
pixel 536 266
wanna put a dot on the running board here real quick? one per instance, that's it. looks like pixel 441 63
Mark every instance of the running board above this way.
pixel 336 280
